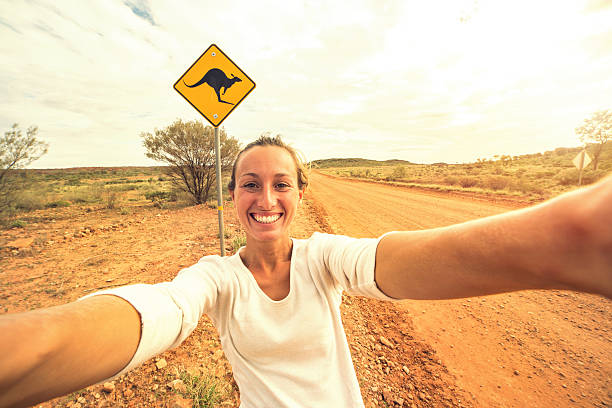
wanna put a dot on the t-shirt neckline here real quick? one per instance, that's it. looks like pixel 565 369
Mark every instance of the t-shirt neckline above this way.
pixel 263 294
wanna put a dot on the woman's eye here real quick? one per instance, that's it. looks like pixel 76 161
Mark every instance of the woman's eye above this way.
pixel 250 185
pixel 282 186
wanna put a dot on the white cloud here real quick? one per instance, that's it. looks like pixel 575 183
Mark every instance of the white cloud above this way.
pixel 426 82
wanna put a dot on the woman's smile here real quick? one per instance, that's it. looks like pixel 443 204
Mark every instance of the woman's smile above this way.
pixel 263 218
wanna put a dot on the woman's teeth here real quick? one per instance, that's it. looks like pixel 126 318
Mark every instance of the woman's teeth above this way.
pixel 266 219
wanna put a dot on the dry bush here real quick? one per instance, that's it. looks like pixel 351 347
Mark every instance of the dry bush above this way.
pixel 467 182
pixel 496 182
pixel 28 200
pixel 592 176
pixel 92 193
pixel 111 198
pixel 399 172
pixel 451 180
pixel 520 172
pixel 567 177
pixel 544 174
pixel 524 186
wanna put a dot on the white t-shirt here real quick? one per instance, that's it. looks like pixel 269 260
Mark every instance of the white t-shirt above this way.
pixel 287 353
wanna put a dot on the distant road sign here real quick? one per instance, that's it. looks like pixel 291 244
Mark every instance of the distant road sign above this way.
pixel 214 85
pixel 581 160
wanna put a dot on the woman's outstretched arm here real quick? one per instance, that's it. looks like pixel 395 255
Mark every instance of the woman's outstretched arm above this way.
pixel 53 351
pixel 564 243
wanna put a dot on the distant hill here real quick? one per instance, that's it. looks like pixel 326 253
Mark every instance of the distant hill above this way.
pixel 356 162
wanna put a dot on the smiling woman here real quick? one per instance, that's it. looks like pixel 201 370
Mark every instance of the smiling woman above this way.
pixel 276 302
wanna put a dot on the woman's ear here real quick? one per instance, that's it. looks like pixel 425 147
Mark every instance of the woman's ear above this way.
pixel 231 193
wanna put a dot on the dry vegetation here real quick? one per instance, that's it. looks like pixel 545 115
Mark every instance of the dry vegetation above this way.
pixel 124 189
pixel 536 176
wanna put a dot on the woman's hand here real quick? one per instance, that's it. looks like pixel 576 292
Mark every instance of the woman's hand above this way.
pixel 564 243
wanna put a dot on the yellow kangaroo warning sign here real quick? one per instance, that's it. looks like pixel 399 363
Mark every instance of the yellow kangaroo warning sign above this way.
pixel 214 85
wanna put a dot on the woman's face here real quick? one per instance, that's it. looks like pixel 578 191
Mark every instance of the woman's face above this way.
pixel 266 195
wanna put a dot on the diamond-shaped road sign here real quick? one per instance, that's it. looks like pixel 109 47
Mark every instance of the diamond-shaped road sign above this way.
pixel 583 157
pixel 214 85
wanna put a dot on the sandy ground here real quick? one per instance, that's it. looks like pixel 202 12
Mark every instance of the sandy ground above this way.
pixel 521 349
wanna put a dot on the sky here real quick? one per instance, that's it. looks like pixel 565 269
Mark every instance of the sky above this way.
pixel 435 81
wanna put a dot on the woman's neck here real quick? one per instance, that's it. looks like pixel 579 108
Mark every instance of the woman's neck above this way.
pixel 267 255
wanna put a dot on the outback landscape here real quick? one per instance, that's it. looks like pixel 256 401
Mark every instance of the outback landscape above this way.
pixel 71 232
pixel 117 116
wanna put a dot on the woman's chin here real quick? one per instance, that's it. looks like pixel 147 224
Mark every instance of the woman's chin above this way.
pixel 267 236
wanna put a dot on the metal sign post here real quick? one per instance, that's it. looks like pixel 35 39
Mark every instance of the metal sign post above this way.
pixel 219 192
pixel 581 160
pixel 214 86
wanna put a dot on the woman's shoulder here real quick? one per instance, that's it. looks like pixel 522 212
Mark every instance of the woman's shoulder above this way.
pixel 213 266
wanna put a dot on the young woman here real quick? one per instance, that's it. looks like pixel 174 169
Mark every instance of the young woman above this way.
pixel 276 302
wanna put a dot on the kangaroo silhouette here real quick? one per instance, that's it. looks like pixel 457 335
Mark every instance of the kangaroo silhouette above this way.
pixel 217 80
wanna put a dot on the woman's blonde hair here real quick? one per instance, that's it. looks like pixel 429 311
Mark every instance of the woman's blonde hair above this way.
pixel 267 140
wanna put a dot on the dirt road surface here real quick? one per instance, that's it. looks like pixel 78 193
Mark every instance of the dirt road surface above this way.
pixel 523 349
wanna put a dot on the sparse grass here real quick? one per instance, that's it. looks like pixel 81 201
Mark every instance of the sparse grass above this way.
pixel 18 224
pixel 205 391
pixel 238 241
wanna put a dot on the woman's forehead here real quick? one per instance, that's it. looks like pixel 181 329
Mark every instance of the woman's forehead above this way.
pixel 266 160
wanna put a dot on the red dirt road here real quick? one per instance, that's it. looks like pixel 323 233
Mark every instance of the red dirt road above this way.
pixel 523 349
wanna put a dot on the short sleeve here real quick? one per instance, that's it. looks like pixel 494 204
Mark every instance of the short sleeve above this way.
pixel 169 311
pixel 351 263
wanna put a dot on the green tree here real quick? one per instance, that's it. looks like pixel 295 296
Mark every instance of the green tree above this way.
pixel 189 150
pixel 596 129
pixel 17 150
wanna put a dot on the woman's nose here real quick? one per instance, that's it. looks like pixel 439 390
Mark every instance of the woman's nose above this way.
pixel 267 199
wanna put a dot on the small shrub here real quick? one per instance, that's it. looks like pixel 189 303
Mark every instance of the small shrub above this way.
pixel 496 182
pixel 238 242
pixel 87 194
pixel 451 180
pixel 467 182
pixel 544 174
pixel 526 187
pixel 125 187
pixel 73 181
pixel 399 172
pixel 158 195
pixel 520 172
pixel 57 204
pixel 205 391
pixel 567 177
pixel 18 224
pixel 110 199
pixel 28 201
pixel 592 176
